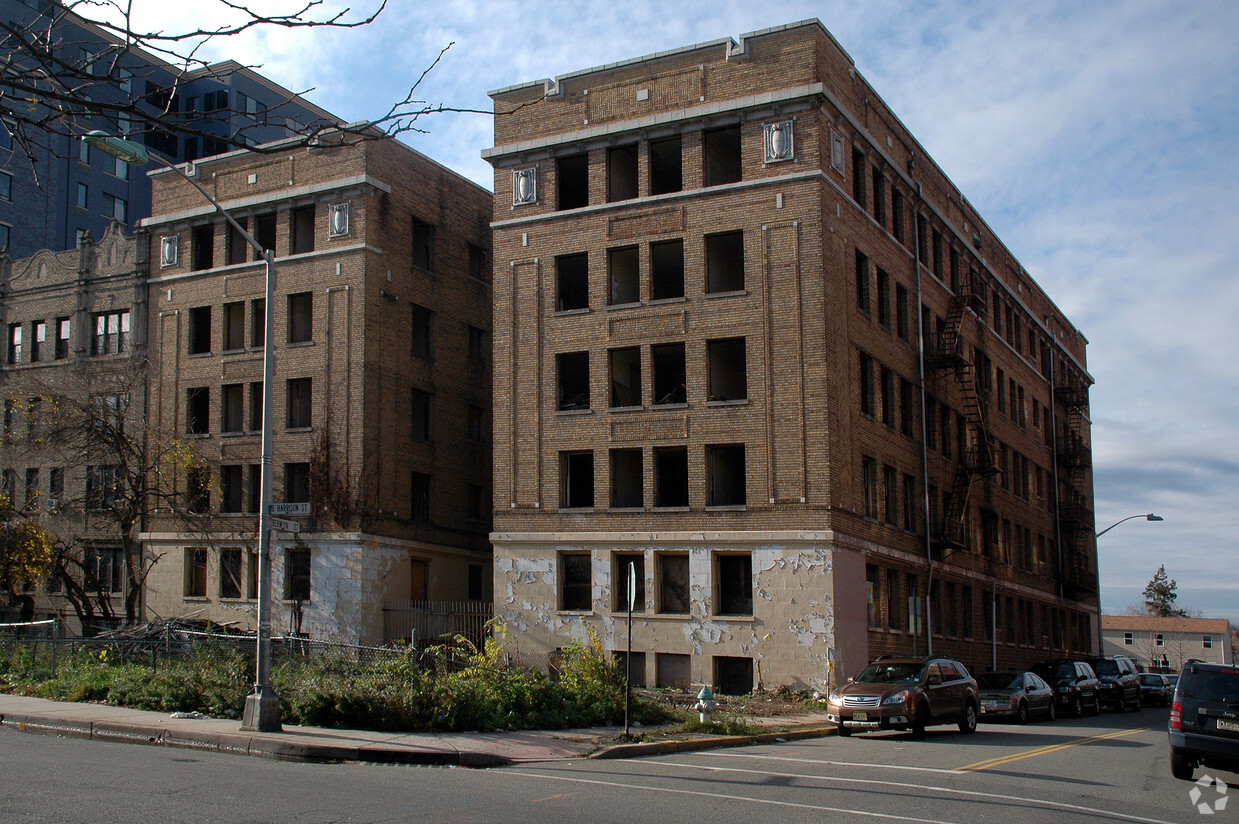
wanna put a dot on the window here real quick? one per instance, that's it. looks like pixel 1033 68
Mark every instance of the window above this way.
pixel 572 282
pixel 621 172
pixel 625 367
pixel 423 240
pixel 725 262
pixel 234 326
pixel 475 502
pixel 475 582
pixel 734 577
pixel 1206 642
pixel 297 574
pixel 907 408
pixel 232 579
pixel 726 475
pixel 721 148
pixel 901 312
pixel 256 399
pixel 572 181
pixel 236 247
pixel 198 410
pixel 872 574
pixel 117 208
pixel 6 186
pixel 198 489
pixel 32 489
pixel 576 480
pixel 869 486
pixel 83 196
pixel 231 491
pixel 572 369
pixel 889 505
pixel 204 246
pixel 264 233
pixel 673 590
pixel 623 269
pixel 884 299
pixel 574 582
pixel 420 337
pixel 666 165
pixel 909 503
pixel 671 476
pixel 420 495
pixel 1129 639
pixel 669 374
pixel 888 397
pixel 476 423
pixel 55 488
pixel 232 418
pixel 301 317
pixel 628 564
pixel 866 385
pixel 101 483
pixel 103 569
pixel 420 414
pixel 258 322
pixel 195 572
pixel 667 270
pixel 897 215
pixel 627 479
pixel 858 176
pixel 479 263
pixel 936 249
pixel 296 483
pixel 15 343
pixel 879 197
pixel 300 391
pixel 253 497
pixel 862 282
pixel 200 330
pixel 111 333
pixel 728 370
pixel 5 231
pixel 301 222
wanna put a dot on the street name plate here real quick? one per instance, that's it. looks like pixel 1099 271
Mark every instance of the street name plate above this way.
pixel 285 526
pixel 290 509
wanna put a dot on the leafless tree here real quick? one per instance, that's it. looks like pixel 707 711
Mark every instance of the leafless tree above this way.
pixel 71 68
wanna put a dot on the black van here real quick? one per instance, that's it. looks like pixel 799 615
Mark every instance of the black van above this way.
pixel 1204 719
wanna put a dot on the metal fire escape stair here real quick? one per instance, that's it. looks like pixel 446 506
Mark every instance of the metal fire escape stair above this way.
pixel 1075 517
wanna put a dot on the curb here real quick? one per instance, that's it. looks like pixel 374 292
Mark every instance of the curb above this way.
pixel 645 748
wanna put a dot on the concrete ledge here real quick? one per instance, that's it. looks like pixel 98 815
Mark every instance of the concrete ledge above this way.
pixel 644 748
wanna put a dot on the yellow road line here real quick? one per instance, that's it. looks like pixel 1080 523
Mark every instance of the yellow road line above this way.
pixel 1007 759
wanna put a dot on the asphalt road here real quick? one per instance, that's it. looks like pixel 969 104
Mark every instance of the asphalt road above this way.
pixel 1108 768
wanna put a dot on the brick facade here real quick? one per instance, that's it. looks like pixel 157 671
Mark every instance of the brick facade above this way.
pixel 846 349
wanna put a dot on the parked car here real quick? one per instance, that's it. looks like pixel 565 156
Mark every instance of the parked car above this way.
pixel 1204 719
pixel 1017 695
pixel 1119 686
pixel 907 694
pixel 1156 689
pixel 1075 685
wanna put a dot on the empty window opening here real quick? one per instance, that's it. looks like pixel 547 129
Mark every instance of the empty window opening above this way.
pixel 629 565
pixel 728 370
pixel 231 492
pixel 419 410
pixel 63 331
pixel 258 322
pixel 576 480
pixel 574 582
pixel 264 233
pixel 300 391
pixel 232 417
pixel 726 475
pixel 734 583
pixel 253 489
pixel 301 317
pixel 423 245
pixel 627 474
pixel 199 330
pixel 625 377
pixel 673 591
pixel 297 575
pixel 667 270
pixel 234 326
pixel 237 246
pixel 632 665
pixel 572 282
pixel 476 352
pixel 38 342
pixel 624 270
pixel 572 181
pixel 673 670
pixel 420 338
pixel 233 581
pixel 198 410
pixel 722 155
pixel 725 262
pixel 419 495
pixel 622 173
pixel 479 263
pixel 302 225
pixel 666 165
pixel 669 374
pixel 671 476
pixel 572 369
pixel 733 675
pixel 256 406
pixel 195 572
pixel 204 246
pixel 198 489
pixel 296 483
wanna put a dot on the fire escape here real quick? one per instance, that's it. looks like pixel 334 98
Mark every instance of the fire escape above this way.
pixel 1075 517
pixel 945 353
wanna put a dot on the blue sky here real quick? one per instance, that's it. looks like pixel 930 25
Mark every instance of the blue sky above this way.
pixel 1097 139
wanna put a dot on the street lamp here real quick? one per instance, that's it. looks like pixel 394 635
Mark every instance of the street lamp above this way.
pixel 1149 517
pixel 262 705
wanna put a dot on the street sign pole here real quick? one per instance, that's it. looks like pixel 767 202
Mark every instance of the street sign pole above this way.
pixel 632 598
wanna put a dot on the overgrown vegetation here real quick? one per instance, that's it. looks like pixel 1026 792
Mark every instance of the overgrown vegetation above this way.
pixel 457 688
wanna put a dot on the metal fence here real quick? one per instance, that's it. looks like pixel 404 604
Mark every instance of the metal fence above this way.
pixel 426 623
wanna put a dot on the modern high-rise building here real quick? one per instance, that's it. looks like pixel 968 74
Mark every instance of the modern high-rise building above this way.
pixel 760 365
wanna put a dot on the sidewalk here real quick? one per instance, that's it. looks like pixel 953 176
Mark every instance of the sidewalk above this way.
pixel 469 749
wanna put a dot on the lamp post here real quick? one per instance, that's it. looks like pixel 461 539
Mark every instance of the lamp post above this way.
pixel 1148 517
pixel 262 705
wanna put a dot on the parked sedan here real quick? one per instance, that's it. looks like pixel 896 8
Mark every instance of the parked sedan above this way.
pixel 1156 690
pixel 1075 685
pixel 1016 695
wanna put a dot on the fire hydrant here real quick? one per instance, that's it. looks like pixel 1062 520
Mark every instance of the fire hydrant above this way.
pixel 705 705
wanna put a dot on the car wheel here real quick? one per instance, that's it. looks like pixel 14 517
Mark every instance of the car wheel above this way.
pixel 1077 707
pixel 919 722
pixel 969 722
pixel 1121 704
pixel 1137 704
pixel 1181 765
pixel 1096 704
pixel 844 732
pixel 1053 713
pixel 1021 714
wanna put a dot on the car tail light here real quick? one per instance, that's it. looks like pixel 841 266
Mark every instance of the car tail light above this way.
pixel 1176 716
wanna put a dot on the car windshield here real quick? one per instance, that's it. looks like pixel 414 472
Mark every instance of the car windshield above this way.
pixel 1052 672
pixel 891 673
pixel 1211 685
pixel 1151 680
pixel 1106 667
pixel 1001 681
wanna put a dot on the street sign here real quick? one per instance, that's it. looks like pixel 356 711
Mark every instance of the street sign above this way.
pixel 290 509
pixel 285 526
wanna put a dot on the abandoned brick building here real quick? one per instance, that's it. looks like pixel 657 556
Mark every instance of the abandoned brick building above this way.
pixel 381 397
pixel 752 344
